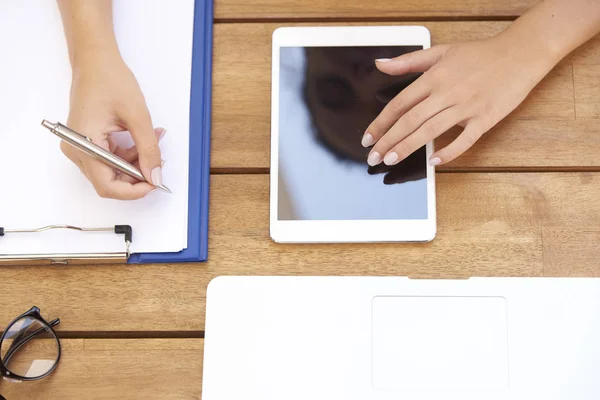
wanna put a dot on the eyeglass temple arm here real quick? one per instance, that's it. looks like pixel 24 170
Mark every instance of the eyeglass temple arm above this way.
pixel 20 342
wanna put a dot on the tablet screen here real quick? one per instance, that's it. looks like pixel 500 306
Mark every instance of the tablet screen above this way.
pixel 328 96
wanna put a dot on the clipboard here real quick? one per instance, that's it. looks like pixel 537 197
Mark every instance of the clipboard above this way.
pixel 200 113
pixel 199 175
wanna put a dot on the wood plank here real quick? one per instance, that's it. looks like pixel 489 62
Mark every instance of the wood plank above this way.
pixel 542 144
pixel 568 251
pixel 586 79
pixel 109 298
pixel 588 53
pixel 241 107
pixel 386 9
pixel 489 225
pixel 587 82
pixel 119 368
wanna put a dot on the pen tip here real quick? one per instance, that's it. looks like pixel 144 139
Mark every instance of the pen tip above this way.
pixel 164 188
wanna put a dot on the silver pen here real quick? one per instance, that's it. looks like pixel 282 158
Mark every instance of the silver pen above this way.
pixel 86 145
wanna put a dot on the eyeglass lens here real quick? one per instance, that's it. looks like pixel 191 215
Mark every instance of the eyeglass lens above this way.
pixel 29 349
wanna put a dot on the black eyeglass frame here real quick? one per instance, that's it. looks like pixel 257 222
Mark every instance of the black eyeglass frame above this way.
pixel 33 313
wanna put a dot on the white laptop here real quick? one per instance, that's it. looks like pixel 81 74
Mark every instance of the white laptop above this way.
pixel 383 338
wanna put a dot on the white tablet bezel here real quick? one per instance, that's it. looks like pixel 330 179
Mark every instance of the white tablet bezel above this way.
pixel 340 231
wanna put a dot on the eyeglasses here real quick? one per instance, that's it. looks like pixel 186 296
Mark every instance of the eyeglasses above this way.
pixel 29 347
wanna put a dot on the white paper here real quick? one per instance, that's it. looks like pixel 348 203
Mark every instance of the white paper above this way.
pixel 39 185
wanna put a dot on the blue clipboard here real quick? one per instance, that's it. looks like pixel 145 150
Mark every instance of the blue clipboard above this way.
pixel 199 168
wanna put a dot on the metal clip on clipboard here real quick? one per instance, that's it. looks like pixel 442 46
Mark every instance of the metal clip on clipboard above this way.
pixel 69 258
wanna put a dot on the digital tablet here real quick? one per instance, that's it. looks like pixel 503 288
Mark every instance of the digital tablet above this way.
pixel 326 90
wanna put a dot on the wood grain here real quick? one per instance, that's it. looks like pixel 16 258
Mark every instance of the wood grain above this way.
pixel 588 53
pixel 358 9
pixel 489 225
pixel 529 137
pixel 119 369
pixel 587 92
pixel 497 224
pixel 586 79
pixel 568 251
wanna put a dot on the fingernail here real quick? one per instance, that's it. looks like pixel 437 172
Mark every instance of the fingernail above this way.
pixel 383 59
pixel 367 140
pixel 435 161
pixel 390 158
pixel 374 159
pixel 161 133
pixel 156 176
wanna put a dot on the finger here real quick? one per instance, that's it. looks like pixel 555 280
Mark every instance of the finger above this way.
pixel 410 169
pixel 130 154
pixel 417 61
pixel 472 132
pixel 126 178
pixel 405 126
pixel 107 186
pixel 431 129
pixel 395 109
pixel 121 190
pixel 140 126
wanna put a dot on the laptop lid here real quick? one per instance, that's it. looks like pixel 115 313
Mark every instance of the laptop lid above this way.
pixel 397 338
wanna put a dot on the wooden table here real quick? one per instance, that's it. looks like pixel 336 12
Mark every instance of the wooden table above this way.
pixel 525 201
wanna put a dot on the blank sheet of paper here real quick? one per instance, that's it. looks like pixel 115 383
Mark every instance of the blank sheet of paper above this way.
pixel 39 185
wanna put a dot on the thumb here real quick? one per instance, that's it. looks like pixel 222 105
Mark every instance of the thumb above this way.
pixel 146 143
pixel 418 61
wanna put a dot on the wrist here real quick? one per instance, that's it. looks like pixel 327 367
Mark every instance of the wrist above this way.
pixel 88 27
pixel 528 50
pixel 537 33
pixel 89 55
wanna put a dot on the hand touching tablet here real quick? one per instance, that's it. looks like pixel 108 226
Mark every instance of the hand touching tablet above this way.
pixel 475 84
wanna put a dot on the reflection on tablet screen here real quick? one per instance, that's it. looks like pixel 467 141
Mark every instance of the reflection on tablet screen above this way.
pixel 327 98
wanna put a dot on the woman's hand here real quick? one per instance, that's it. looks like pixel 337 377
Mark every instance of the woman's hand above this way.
pixel 106 98
pixel 474 85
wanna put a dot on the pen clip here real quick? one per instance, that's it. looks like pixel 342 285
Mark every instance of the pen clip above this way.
pixel 82 136
pixel 53 127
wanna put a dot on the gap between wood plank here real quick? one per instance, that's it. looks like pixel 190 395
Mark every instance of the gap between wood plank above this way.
pixel 130 335
pixel 412 18
pixel 448 170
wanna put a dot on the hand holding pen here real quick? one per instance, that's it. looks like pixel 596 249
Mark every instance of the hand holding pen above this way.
pixel 87 146
pixel 106 98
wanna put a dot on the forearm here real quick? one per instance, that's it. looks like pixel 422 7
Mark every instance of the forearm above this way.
pixel 554 28
pixel 88 27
